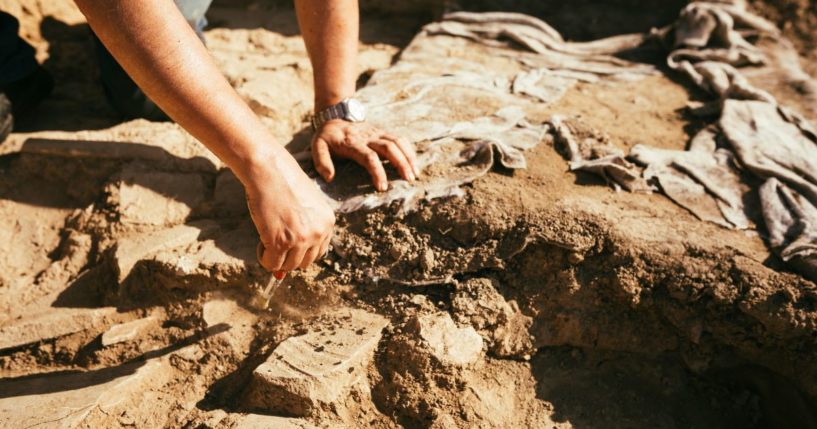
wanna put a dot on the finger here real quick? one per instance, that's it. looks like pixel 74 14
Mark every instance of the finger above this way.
pixel 310 256
pixel 389 150
pixel 368 158
pixel 270 260
pixel 322 159
pixel 325 246
pixel 294 258
pixel 408 150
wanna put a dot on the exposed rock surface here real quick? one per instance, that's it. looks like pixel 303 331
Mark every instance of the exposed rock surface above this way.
pixel 131 250
pixel 634 312
pixel 156 198
pixel 501 323
pixel 450 345
pixel 53 323
pixel 75 400
pixel 128 331
pixel 316 369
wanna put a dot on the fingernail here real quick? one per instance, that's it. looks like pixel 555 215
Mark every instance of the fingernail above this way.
pixel 411 177
pixel 382 187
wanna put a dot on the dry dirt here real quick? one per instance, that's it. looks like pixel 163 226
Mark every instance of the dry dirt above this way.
pixel 546 300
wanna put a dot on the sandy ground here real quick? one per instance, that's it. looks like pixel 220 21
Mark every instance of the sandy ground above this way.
pixel 127 266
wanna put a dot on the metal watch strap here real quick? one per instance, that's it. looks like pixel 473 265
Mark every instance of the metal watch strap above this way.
pixel 335 111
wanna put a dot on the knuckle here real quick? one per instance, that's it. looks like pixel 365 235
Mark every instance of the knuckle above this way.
pixel 286 239
pixel 314 235
pixel 265 263
pixel 372 158
pixel 301 236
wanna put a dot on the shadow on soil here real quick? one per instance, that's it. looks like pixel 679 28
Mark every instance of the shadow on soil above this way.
pixel 41 384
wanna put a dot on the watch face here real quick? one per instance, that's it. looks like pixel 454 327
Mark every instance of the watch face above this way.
pixel 357 111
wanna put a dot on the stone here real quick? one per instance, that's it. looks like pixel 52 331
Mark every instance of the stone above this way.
pixel 156 198
pixel 53 323
pixel 318 368
pixel 443 421
pixel 427 260
pixel 229 198
pixel 128 331
pixel 70 400
pixel 164 146
pixel 228 260
pixel 262 421
pixel 449 344
pixel 130 250
pixel 507 331
pixel 284 102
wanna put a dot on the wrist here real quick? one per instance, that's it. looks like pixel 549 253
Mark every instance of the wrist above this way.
pixel 265 165
pixel 324 98
pixel 326 102
pixel 349 109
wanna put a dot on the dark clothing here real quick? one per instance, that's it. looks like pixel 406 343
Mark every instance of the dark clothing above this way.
pixel 121 90
pixel 16 56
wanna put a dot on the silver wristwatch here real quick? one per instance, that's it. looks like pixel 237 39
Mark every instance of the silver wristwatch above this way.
pixel 349 109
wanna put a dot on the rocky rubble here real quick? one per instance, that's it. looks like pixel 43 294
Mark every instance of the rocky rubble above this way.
pixel 318 369
pixel 529 298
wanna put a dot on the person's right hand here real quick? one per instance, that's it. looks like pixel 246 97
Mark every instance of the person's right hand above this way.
pixel 293 217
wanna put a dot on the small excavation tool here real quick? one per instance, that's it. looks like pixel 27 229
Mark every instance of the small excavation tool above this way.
pixel 261 301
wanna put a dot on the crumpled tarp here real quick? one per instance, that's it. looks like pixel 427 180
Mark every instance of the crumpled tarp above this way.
pixel 756 149
pixel 463 90
pixel 702 179
pixel 462 94
pixel 596 157
pixel 757 135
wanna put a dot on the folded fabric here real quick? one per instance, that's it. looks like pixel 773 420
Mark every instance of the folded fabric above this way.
pixel 462 95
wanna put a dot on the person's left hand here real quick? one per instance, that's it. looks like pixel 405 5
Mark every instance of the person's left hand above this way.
pixel 364 144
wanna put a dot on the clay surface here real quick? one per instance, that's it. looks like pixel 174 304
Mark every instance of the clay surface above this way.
pixel 525 295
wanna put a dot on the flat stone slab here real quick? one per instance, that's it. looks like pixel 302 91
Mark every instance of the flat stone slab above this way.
pixel 164 145
pixel 131 250
pixel 228 197
pixel 68 400
pixel 52 323
pixel 229 260
pixel 317 368
pixel 261 421
pixel 448 343
pixel 156 198
pixel 128 331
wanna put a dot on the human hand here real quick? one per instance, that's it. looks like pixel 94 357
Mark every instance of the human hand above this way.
pixel 364 144
pixel 292 216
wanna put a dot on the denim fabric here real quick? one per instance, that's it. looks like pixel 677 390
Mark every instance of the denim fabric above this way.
pixel 16 56
pixel 193 11
pixel 121 91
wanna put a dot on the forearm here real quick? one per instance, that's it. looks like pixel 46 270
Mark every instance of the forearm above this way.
pixel 330 30
pixel 163 55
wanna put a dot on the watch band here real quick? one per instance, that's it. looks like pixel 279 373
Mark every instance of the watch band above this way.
pixel 335 111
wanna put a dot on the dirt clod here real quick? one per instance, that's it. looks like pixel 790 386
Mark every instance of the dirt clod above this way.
pixel 532 297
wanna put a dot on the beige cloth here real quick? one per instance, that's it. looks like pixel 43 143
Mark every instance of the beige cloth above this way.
pixel 595 157
pixel 754 135
pixel 461 93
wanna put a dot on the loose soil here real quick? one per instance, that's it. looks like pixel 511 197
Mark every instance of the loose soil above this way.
pixel 596 308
